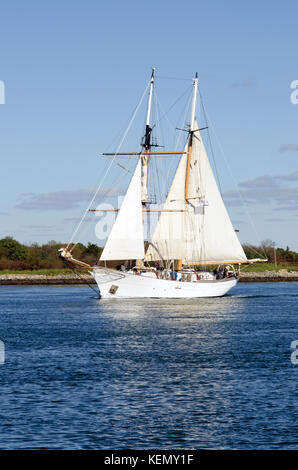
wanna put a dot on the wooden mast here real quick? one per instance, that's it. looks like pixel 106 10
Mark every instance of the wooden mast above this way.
pixel 189 150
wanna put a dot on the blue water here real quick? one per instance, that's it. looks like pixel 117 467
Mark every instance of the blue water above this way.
pixel 84 373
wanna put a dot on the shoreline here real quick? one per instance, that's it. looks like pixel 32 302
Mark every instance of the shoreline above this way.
pixel 85 279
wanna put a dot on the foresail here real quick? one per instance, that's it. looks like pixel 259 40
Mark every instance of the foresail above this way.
pixel 126 239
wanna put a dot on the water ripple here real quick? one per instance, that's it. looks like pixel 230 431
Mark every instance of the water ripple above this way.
pixel 83 373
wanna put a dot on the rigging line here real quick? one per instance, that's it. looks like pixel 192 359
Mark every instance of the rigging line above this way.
pixel 163 164
pixel 166 164
pixel 172 106
pixel 157 134
pixel 165 114
pixel 105 194
pixel 173 78
pixel 89 285
pixel 253 248
pixel 210 143
pixel 167 168
pixel 156 164
pixel 109 166
pixel 184 118
pixel 173 161
pixel 235 183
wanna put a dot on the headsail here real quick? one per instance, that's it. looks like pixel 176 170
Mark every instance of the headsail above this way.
pixel 126 239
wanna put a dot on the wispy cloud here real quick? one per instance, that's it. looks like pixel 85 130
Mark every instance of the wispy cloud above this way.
pixel 4 213
pixel 265 181
pixel 62 200
pixel 76 220
pixel 266 189
pixel 277 219
pixel 245 83
pixel 238 222
pixel 288 148
pixel 290 177
pixel 283 196
pixel 292 208
pixel 43 228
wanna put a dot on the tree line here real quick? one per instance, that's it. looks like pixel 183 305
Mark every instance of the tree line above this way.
pixel 16 256
pixel 274 254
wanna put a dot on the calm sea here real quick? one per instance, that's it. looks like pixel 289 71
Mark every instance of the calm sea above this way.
pixel 84 373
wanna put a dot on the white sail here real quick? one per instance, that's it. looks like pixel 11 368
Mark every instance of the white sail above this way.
pixel 169 237
pixel 126 239
pixel 204 232
pixel 211 235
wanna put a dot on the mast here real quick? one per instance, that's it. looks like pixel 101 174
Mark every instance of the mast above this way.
pixel 147 144
pixel 144 157
pixel 191 132
pixel 189 149
pixel 147 140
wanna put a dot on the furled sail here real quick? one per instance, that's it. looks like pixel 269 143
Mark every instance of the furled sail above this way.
pixel 126 239
pixel 204 232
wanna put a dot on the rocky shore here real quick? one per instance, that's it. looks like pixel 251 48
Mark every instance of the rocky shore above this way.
pixel 270 276
pixel 37 279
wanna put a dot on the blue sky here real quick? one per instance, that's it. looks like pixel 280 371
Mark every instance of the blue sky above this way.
pixel 74 71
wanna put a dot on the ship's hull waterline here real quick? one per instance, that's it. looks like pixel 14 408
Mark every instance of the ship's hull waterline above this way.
pixel 114 284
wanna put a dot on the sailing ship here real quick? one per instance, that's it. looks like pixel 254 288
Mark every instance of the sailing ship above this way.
pixel 193 233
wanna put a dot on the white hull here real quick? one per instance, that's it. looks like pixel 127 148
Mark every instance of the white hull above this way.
pixel 117 284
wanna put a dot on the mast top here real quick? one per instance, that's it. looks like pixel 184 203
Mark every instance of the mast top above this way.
pixel 147 138
pixel 194 99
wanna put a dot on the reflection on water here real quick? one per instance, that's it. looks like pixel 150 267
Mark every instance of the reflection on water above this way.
pixel 205 373
pixel 210 309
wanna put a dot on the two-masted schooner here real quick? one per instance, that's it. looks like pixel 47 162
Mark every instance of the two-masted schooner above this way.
pixel 193 232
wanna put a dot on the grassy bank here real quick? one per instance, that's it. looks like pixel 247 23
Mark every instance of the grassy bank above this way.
pixel 255 268
pixel 41 272
pixel 262 267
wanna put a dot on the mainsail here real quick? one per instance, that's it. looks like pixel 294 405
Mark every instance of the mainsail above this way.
pixel 203 232
pixel 126 239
